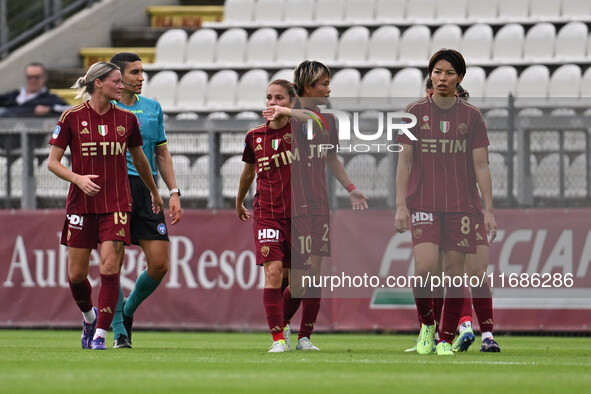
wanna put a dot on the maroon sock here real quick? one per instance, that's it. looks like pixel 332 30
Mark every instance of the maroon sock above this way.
pixel 438 296
pixel 310 308
pixel 284 284
pixel 454 299
pixel 482 301
pixel 107 300
pixel 290 306
pixel 274 312
pixel 82 293
pixel 424 302
pixel 466 313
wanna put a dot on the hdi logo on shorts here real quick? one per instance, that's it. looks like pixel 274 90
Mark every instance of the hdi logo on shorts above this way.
pixel 76 220
pixel 423 217
pixel 269 234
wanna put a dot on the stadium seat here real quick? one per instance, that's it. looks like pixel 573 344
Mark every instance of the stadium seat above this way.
pixel 576 179
pixel 248 115
pixel 345 83
pixel 182 171
pixel 390 10
pixel 162 88
pixel 353 46
pixel 221 89
pixel 383 45
pixel 539 42
pixel 533 82
pixel 586 84
pixel 546 175
pixel 286 73
pixel 500 82
pixel 251 89
pixel 544 9
pixel 191 90
pixel 238 12
pixel 170 48
pixel 447 36
pixel 565 81
pixel 483 10
pixel 329 11
pixel 218 115
pixel 231 47
pixel 576 9
pixel 187 116
pixel 508 45
pixel 359 11
pixel 261 47
pixel 512 10
pixel 451 11
pixel 230 172
pixel 291 46
pixel 268 12
pixel 474 81
pixel 408 83
pixel 322 44
pixel 375 89
pixel 47 185
pixel 498 173
pixel 200 177
pixel 298 11
pixel 571 40
pixel 477 43
pixel 414 45
pixel 201 47
pixel 420 11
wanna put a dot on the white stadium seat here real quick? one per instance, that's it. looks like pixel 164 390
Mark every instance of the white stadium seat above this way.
pixel 268 11
pixel 221 89
pixel 571 40
pixel 474 81
pixel 286 73
pixel 576 9
pixel 508 44
pixel 408 83
pixel 420 10
pixel 298 11
pixel 345 83
pixel 451 10
pixel 447 36
pixel 477 43
pixel 376 83
pixel 533 82
pixel 539 42
pixel 238 12
pixel 546 175
pixel 359 11
pixel 544 9
pixel 565 81
pixel 483 10
pixel 353 45
pixel 191 90
pixel 230 172
pixel 383 45
pixel 162 88
pixel 291 46
pixel 498 173
pixel 201 47
pixel 251 89
pixel 261 47
pixel 500 82
pixel 575 181
pixel 513 9
pixel 231 47
pixel 322 44
pixel 200 173
pixel 170 48
pixel 328 11
pixel 414 44
pixel 390 10
pixel 586 84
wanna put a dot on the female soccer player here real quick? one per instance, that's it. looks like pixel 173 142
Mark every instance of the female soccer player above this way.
pixel 99 135
pixel 271 152
pixel 434 194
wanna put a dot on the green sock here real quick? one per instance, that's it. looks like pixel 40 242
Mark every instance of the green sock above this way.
pixel 117 323
pixel 144 286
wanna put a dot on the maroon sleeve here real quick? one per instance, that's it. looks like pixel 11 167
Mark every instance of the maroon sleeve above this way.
pixel 480 135
pixel 248 154
pixel 61 134
pixel 135 136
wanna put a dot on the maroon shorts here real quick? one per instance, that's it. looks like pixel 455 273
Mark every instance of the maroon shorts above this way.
pixel 87 230
pixel 449 230
pixel 320 229
pixel 285 240
pixel 480 229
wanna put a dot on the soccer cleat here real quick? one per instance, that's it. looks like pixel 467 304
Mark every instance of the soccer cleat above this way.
pixel 490 345
pixel 286 335
pixel 463 341
pixel 414 348
pixel 305 344
pixel 426 340
pixel 444 349
pixel 121 342
pixel 98 344
pixel 278 347
pixel 127 322
pixel 88 330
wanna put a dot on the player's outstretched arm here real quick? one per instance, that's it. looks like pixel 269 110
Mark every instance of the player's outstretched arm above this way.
pixel 402 217
pixel 246 179
pixel 84 182
pixel 143 168
pixel 357 197
pixel 483 178
pixel 164 161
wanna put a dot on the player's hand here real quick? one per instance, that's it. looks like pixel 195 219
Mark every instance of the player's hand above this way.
pixel 358 200
pixel 174 206
pixel 157 203
pixel 41 110
pixel 242 212
pixel 85 183
pixel 275 111
pixel 491 226
pixel 402 219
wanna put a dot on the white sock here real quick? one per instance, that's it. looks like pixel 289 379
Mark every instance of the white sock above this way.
pixel 465 325
pixel 100 333
pixel 89 316
pixel 486 335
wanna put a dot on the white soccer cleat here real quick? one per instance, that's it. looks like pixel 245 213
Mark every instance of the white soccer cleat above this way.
pixel 286 335
pixel 305 344
pixel 278 347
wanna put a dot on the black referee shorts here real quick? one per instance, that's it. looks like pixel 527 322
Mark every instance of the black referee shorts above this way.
pixel 145 224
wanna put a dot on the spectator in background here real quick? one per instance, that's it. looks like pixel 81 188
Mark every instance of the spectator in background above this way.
pixel 33 99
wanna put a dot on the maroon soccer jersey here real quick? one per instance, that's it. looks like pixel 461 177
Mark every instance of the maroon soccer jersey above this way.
pixel 280 191
pixel 98 145
pixel 442 170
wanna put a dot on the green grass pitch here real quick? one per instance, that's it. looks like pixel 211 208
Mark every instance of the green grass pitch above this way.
pixel 171 362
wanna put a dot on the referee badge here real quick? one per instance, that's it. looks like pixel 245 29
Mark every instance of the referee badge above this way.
pixel 161 228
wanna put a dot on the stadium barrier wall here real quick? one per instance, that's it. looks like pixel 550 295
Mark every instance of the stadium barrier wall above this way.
pixel 214 284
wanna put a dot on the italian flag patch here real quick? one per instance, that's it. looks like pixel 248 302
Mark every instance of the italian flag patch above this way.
pixel 102 129
pixel 275 144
